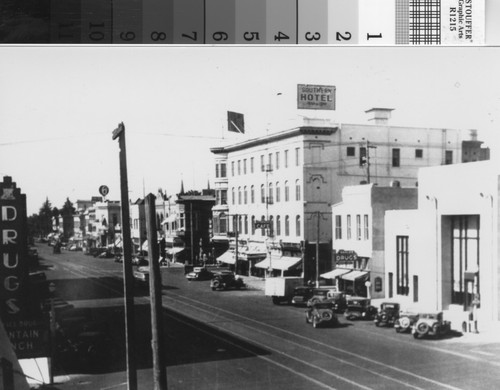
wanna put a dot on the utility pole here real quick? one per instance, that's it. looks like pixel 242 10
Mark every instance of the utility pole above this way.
pixel 128 277
pixel 157 340
pixel 236 217
pixel 191 230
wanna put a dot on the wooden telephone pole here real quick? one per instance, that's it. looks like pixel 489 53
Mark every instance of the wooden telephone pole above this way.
pixel 128 276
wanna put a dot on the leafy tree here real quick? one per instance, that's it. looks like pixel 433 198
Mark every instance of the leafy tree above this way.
pixel 55 214
pixel 68 208
pixel 45 217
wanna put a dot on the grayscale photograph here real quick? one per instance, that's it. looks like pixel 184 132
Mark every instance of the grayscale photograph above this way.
pixel 249 218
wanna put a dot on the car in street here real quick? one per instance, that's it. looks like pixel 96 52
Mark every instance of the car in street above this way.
pixel 199 273
pixel 360 308
pixel 405 321
pixel 321 313
pixel 141 275
pixel 331 293
pixel 387 314
pixel 301 295
pixel 225 280
pixel 430 325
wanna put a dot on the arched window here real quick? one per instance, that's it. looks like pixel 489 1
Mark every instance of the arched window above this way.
pixel 262 194
pixel 233 196
pixel 278 195
pixel 278 225
pixel 287 225
pixel 252 194
pixel 270 193
pixel 240 220
pixel 245 195
pixel 239 195
pixel 297 190
pixel 253 225
pixel 271 226
pixel 246 224
pixel 297 226
pixel 287 192
pixel 263 229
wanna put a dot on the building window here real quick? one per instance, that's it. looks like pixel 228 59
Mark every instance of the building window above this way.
pixel 297 190
pixel 270 162
pixel 278 225
pixel 253 225
pixel 223 197
pixel 286 159
pixel 245 195
pixel 297 226
pixel 362 156
pixel 338 227
pixel 358 227
pixel 402 286
pixel 287 192
pixel 216 170
pixel 465 255
pixel 263 229
pixel 271 226
pixel 396 157
pixel 252 194
pixel 239 167
pixel 223 172
pixel 262 165
pixel 262 194
pixel 239 195
pixel 349 227
pixel 270 194
pixel 245 166
pixel 246 224
pixel 223 223
pixel 351 151
pixel 419 153
pixel 448 157
pixel 232 168
pixel 277 160
pixel 287 225
pixel 233 196
pixel 251 164
pixel 297 156
pixel 278 195
pixel 366 229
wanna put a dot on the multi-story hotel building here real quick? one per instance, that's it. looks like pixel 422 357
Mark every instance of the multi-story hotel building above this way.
pixel 291 178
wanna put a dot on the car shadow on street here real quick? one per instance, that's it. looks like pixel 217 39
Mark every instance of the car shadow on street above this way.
pixel 186 341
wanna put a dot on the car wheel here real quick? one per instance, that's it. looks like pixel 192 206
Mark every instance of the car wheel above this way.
pixel 327 316
pixel 422 328
pixel 404 324
pixel 215 285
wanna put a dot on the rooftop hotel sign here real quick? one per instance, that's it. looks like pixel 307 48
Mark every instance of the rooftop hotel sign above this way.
pixel 13 250
pixel 315 97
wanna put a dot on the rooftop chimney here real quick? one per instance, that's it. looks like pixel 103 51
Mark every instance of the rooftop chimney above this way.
pixel 381 116
pixel 473 134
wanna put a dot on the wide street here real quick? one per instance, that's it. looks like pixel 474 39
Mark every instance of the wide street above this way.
pixel 239 339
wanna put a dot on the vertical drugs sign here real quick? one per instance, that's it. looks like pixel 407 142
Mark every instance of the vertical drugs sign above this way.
pixel 13 251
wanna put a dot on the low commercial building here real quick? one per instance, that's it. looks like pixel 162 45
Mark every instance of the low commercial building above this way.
pixel 444 255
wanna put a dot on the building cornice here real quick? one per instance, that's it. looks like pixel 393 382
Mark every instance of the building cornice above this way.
pixel 302 130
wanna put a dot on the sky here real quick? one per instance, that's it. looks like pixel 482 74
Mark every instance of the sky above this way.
pixel 60 104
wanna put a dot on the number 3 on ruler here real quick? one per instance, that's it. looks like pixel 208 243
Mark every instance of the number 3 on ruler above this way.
pixel 313 37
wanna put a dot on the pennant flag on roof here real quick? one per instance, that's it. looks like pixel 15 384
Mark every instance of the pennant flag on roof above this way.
pixel 235 122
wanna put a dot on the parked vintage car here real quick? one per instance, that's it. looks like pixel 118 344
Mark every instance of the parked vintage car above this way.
pixel 405 321
pixel 331 293
pixel 321 313
pixel 388 314
pixel 430 324
pixel 301 295
pixel 199 273
pixel 360 308
pixel 141 275
pixel 225 280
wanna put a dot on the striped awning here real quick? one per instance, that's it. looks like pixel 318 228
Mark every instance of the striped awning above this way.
pixel 354 275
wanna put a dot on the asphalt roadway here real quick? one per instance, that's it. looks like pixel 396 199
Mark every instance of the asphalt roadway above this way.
pixel 240 340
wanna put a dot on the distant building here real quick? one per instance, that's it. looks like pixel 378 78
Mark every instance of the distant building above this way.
pixel 290 179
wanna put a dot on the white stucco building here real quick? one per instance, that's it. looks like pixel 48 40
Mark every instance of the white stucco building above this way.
pixel 444 255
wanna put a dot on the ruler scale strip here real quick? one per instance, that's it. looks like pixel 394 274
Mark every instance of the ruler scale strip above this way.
pixel 241 22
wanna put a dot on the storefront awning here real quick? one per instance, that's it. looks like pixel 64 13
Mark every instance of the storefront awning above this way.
pixel 169 219
pixel 335 273
pixel 282 263
pixel 174 250
pixel 144 246
pixel 354 275
pixel 227 257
